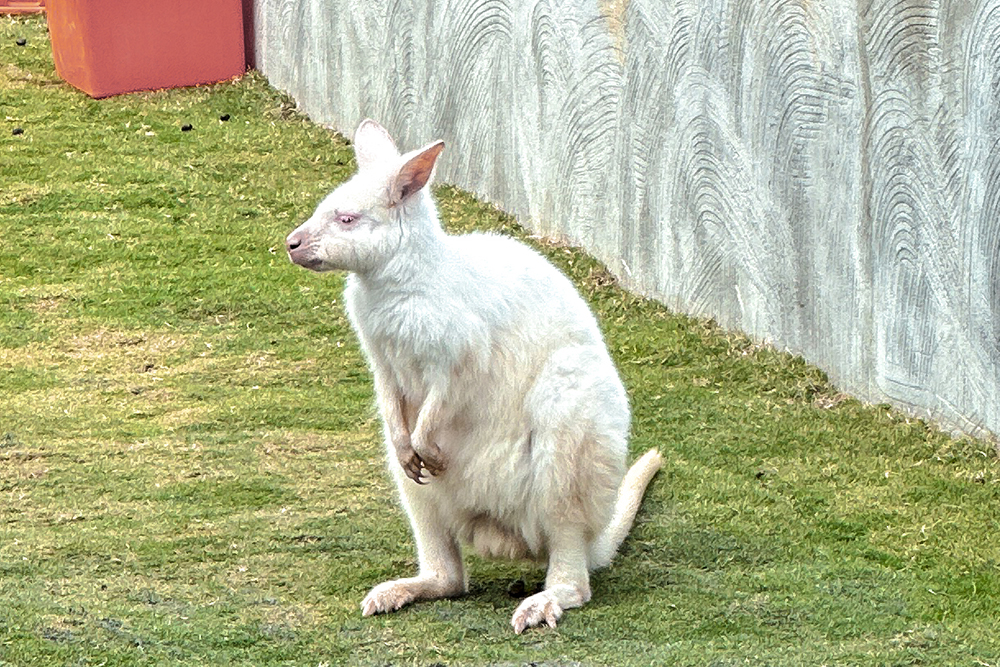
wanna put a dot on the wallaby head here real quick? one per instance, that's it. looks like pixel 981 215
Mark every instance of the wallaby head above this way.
pixel 360 225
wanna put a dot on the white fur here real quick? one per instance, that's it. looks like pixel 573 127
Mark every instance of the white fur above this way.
pixel 505 421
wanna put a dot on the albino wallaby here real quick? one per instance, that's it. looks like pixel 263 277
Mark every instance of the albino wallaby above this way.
pixel 498 398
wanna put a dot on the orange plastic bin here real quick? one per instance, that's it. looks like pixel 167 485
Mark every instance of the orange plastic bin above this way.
pixel 107 47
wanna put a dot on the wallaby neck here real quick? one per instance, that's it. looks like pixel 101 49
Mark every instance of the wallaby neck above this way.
pixel 420 251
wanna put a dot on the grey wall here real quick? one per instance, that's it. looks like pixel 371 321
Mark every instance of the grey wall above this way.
pixel 822 174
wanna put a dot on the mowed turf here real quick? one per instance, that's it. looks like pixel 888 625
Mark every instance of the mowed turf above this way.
pixel 191 470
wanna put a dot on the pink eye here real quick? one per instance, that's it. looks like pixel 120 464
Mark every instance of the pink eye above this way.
pixel 346 218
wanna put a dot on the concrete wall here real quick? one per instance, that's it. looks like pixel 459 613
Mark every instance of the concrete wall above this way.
pixel 822 174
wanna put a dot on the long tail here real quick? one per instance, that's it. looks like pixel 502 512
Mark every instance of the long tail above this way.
pixel 630 494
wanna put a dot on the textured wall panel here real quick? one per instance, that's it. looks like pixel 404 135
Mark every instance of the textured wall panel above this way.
pixel 824 175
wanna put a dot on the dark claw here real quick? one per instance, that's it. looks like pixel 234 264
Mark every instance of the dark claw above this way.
pixel 433 468
pixel 416 467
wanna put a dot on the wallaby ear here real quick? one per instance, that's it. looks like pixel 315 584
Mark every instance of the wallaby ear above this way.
pixel 372 144
pixel 415 172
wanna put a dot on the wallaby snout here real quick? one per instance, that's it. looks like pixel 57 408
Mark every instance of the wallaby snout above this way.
pixel 299 247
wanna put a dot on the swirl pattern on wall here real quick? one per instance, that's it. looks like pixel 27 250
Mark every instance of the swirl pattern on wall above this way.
pixel 824 176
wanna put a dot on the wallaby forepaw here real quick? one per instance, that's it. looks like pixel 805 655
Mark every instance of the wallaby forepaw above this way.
pixel 535 610
pixel 386 597
pixel 411 464
pixel 432 460
pixel 415 465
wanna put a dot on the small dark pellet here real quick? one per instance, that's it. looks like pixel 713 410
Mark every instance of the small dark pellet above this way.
pixel 517 588
pixel 22 41
pixel 224 117
pixel 187 128
pixel 16 131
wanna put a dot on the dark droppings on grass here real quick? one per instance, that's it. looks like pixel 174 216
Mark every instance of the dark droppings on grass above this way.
pixel 59 635
pixel 517 588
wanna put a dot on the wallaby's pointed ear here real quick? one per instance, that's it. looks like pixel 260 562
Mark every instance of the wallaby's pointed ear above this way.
pixel 415 172
pixel 372 144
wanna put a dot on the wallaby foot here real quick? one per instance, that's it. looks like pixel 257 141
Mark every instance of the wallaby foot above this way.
pixel 567 583
pixel 547 607
pixel 441 573
pixel 391 595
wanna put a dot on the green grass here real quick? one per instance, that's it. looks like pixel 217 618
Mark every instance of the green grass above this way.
pixel 190 465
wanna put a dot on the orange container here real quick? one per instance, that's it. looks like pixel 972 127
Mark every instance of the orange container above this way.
pixel 107 47
pixel 22 6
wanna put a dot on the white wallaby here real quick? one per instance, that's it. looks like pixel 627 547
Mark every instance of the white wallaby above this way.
pixel 505 421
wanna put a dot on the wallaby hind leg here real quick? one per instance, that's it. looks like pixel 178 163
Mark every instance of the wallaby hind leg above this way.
pixel 567 582
pixel 441 574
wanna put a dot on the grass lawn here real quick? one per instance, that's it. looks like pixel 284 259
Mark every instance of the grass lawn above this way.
pixel 191 470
